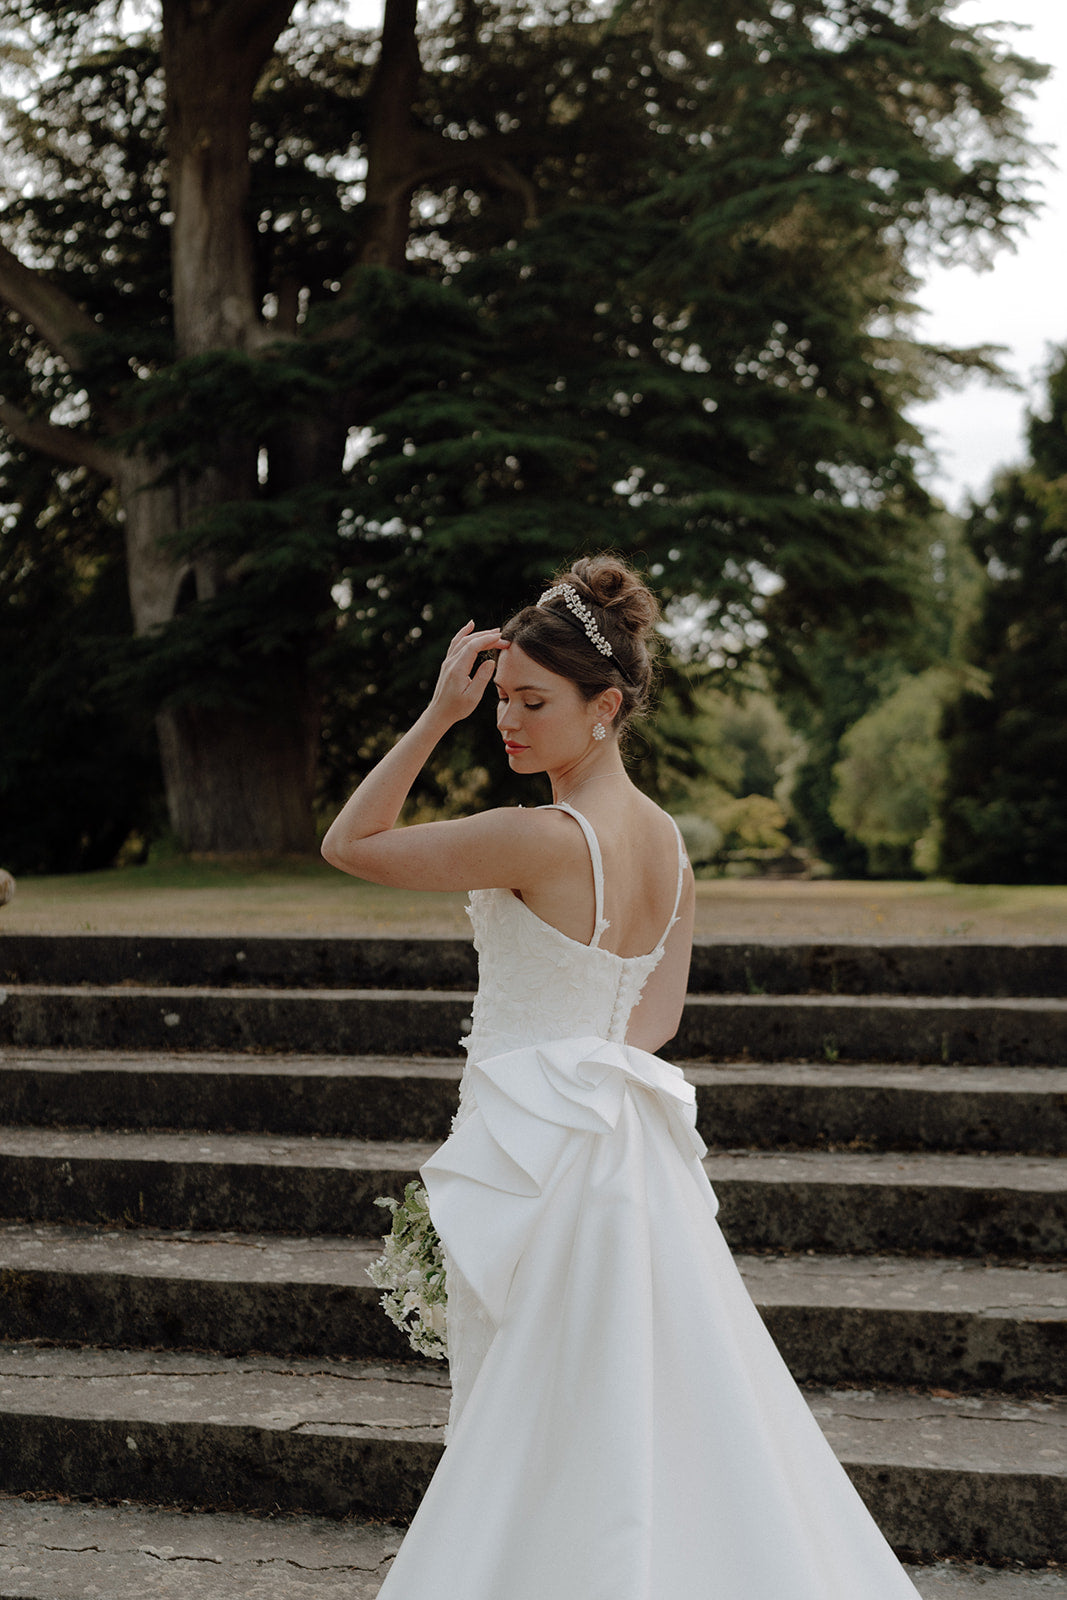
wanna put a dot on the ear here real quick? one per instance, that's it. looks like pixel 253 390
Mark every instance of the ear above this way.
pixel 607 705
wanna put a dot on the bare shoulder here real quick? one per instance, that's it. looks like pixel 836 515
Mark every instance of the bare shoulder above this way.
pixel 506 847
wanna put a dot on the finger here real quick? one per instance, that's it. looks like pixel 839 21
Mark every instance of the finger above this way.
pixel 475 643
pixel 483 675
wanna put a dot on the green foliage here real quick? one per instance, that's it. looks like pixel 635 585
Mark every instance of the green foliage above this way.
pixel 1005 809
pixel 889 779
pixel 656 299
pixel 846 704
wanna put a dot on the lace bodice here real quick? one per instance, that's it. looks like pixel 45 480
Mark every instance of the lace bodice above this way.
pixel 536 983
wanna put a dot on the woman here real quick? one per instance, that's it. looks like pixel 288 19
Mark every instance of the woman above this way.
pixel 622 1427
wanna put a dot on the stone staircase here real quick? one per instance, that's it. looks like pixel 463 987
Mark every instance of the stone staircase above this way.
pixel 196 1381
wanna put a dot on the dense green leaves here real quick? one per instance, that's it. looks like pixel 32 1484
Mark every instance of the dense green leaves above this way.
pixel 1005 813
pixel 659 268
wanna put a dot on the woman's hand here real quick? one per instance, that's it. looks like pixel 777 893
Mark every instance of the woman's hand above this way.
pixel 459 689
pixel 376 804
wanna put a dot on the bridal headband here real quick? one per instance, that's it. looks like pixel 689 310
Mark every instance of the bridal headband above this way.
pixel 582 618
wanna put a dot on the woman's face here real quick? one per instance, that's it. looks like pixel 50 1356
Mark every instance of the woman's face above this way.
pixel 543 719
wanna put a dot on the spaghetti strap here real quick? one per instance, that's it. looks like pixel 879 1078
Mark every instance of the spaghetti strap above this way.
pixel 683 861
pixel 600 925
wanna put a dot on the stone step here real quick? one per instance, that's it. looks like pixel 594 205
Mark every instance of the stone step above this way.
pixel 55 1551
pixel 321 1022
pixel 952 1324
pixel 1020 1109
pixel 945 1031
pixel 720 966
pixel 932 1322
pixel 365 1097
pixel 878 1107
pixel 986 1477
pixel 171 1180
pixel 831 1201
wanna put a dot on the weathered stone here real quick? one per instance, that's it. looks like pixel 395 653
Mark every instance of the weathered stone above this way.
pixel 952 1204
pixel 54 1551
pixel 325 1070
pixel 381 1022
pixel 943 1032
pixel 330 1022
pixel 873 966
pixel 944 1323
pixel 258 962
pixel 868 1107
pixel 720 966
pixel 349 1437
pixel 364 1097
pixel 938 1323
pixel 197 1430
pixel 1019 1109
pixel 259 1183
pixel 227 1292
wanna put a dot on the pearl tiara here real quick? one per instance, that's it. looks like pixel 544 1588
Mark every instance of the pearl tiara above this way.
pixel 583 618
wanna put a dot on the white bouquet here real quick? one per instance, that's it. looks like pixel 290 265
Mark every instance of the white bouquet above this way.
pixel 411 1270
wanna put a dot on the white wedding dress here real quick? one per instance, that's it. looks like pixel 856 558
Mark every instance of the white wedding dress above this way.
pixel 622 1425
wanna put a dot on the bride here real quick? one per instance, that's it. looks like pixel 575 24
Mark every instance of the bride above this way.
pixel 622 1426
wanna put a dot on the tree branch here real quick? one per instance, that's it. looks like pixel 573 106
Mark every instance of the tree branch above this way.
pixel 63 444
pixel 263 19
pixel 440 157
pixel 58 319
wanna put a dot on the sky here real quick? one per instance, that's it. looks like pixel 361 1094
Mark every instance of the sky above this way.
pixel 1020 303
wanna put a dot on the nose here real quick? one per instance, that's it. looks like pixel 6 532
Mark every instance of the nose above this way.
pixel 505 715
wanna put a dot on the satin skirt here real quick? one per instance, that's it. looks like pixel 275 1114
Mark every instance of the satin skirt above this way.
pixel 623 1426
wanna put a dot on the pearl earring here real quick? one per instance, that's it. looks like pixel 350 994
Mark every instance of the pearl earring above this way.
pixel 599 731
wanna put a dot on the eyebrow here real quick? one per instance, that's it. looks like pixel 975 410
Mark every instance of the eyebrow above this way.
pixel 526 688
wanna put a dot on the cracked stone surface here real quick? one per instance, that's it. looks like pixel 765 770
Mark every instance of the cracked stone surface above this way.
pixel 220 1257
pixel 892 1283
pixel 895 1283
pixel 974 1432
pixel 391 1400
pixel 401 1401
pixel 898 1169
pixel 213 1149
pixel 72 1552
pixel 51 1551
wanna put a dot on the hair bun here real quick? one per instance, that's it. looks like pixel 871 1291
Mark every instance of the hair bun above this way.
pixel 616 587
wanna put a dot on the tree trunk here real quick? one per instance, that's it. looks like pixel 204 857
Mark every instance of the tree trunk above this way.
pixel 237 782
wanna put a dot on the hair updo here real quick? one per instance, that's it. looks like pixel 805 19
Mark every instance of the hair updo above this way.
pixel 625 612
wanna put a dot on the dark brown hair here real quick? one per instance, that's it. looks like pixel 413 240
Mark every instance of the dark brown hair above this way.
pixel 625 612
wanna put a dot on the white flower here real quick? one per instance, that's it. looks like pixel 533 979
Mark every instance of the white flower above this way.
pixel 411 1270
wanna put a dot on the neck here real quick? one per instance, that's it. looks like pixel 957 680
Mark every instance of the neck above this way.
pixel 567 785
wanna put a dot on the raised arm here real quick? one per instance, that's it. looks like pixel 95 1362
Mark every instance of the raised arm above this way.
pixel 376 804
pixel 503 848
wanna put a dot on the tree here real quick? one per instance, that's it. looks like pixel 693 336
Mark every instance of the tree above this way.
pixel 1005 807
pixel 867 790
pixel 889 779
pixel 444 306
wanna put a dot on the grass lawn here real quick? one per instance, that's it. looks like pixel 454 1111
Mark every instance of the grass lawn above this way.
pixel 308 897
